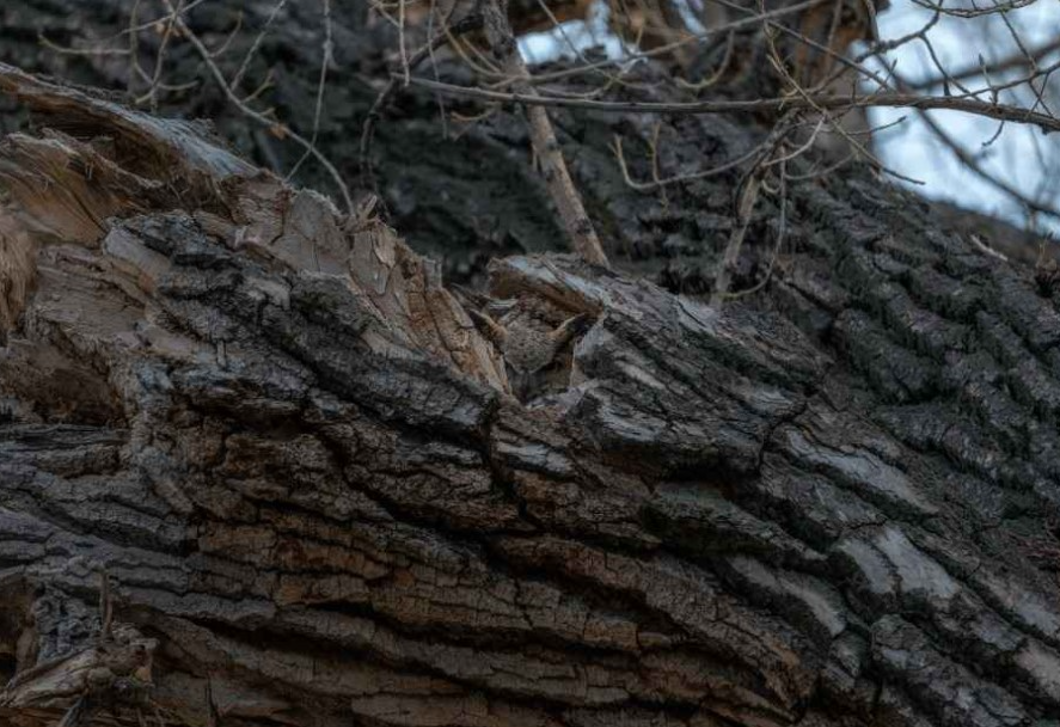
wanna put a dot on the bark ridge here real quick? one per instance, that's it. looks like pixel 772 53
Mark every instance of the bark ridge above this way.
pixel 303 469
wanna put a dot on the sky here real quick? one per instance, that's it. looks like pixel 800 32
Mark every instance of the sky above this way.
pixel 1021 155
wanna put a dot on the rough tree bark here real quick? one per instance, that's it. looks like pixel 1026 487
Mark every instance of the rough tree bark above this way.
pixel 834 503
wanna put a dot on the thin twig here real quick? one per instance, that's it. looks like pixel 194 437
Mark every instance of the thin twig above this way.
pixel 744 209
pixel 258 117
pixel 152 92
pixel 326 51
pixel 782 229
pixel 564 193
pixel 386 96
pixel 245 65
pixel 745 205
pixel 656 183
pixel 823 101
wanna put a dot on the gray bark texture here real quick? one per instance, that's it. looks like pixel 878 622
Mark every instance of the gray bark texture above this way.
pixel 318 501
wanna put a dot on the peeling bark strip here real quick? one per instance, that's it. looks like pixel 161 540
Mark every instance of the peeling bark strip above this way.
pixel 298 461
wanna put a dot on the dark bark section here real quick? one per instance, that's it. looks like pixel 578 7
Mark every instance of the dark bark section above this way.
pixel 833 504
pixel 461 193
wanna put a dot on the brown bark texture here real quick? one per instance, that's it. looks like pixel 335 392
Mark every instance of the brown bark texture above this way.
pixel 318 502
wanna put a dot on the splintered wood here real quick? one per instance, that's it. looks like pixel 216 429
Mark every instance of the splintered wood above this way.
pixel 298 459
pixel 66 188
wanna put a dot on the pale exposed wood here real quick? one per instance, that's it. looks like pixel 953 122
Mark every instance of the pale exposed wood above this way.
pixel 302 468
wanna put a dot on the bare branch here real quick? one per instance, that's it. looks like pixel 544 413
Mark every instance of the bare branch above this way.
pixel 565 196
pixel 824 101
pixel 256 116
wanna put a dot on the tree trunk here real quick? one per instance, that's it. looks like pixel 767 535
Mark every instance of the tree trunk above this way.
pixel 317 502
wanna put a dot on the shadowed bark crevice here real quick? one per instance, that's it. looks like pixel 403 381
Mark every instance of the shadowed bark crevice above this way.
pixel 318 500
